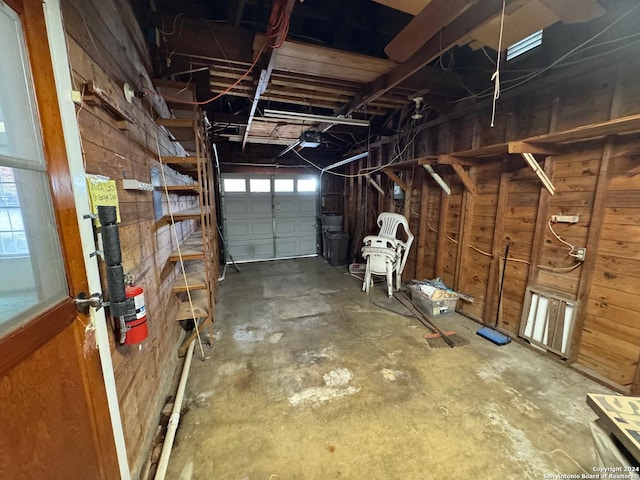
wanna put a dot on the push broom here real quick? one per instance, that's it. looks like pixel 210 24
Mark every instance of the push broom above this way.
pixel 489 333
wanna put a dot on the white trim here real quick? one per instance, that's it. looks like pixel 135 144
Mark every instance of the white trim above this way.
pixel 62 74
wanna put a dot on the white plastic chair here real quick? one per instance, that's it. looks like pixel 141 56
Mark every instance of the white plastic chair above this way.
pixel 387 250
pixel 381 256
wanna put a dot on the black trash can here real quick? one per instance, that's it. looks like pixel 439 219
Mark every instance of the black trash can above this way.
pixel 337 248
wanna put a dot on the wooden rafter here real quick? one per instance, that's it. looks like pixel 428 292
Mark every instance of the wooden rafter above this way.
pixel 447 37
pixel 424 26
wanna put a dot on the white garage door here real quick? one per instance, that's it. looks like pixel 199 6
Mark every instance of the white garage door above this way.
pixel 268 218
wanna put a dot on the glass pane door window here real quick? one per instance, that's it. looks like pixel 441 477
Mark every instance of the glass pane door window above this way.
pixel 32 274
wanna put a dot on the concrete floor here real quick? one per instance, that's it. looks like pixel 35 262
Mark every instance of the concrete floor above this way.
pixel 309 380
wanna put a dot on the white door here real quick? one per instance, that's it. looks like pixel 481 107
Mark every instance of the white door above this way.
pixel 268 218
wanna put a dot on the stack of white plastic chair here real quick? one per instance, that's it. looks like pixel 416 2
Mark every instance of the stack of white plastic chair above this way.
pixel 385 253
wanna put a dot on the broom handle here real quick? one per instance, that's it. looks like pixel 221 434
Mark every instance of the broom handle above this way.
pixel 504 269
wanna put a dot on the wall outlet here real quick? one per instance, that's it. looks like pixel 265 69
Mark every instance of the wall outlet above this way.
pixel 580 254
pixel 565 218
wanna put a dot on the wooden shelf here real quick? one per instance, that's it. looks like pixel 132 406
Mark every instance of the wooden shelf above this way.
pixel 620 126
pixel 196 280
pixel 186 165
pixel 483 152
pixel 192 160
pixel 200 301
pixel 188 189
pixel 189 214
pixel 198 251
pixel 94 95
pixel 181 128
pixel 191 249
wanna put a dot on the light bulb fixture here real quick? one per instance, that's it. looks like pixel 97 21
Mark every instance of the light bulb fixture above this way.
pixel 129 92
pixel 418 101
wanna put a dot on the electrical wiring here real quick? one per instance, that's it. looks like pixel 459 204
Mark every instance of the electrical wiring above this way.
pixel 344 175
pixel 277 33
pixel 486 254
pixel 572 247
pixel 278 23
pixel 528 77
pixel 570 52
pixel 430 226
pixel 216 97
pixel 484 50
pixel 224 54
pixel 451 57
pixel 559 269
pixel 173 28
pixel 511 259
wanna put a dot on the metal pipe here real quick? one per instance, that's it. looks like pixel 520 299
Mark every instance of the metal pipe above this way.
pixel 174 419
pixel 224 273
pixel 223 227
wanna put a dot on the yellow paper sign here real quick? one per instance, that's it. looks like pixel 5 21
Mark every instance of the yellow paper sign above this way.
pixel 102 192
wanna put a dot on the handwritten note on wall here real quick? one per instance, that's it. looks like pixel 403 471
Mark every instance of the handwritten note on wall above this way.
pixel 102 192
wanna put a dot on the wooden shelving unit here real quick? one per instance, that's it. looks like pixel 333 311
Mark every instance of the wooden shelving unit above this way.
pixel 198 252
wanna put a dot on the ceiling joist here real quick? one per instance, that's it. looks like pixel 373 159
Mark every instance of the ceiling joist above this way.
pixel 424 26
pixel 447 38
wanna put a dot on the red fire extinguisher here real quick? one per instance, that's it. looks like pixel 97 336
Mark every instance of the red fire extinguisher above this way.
pixel 135 322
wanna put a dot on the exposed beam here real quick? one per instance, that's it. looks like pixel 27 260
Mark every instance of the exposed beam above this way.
pixel 428 160
pixel 462 174
pixel 447 38
pixel 527 147
pixel 593 240
pixel 424 26
pixel 454 160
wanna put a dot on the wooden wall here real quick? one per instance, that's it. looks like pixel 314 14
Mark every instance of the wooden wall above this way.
pixel 107 48
pixel 610 341
pixel 463 237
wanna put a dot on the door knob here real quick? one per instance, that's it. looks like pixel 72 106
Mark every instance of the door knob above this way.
pixel 83 302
